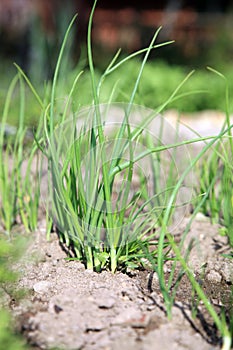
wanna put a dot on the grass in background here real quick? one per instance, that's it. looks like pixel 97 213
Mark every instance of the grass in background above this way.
pixel 19 189
pixel 159 81
pixel 32 111
pixel 216 175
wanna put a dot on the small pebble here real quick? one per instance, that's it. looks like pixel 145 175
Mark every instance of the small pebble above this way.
pixel 201 217
pixel 42 287
pixel 214 276
pixel 151 307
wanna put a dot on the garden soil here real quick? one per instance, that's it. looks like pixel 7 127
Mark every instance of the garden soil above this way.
pixel 68 307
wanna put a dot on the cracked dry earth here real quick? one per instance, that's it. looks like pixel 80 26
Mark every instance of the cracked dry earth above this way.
pixel 68 307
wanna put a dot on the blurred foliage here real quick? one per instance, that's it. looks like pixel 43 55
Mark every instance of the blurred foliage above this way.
pixel 32 109
pixel 8 339
pixel 158 82
pixel 9 253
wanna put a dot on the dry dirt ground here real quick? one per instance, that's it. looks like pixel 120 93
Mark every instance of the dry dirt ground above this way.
pixel 68 307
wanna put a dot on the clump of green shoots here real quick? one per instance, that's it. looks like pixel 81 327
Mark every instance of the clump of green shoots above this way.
pixel 19 192
pixel 216 176
pixel 104 228
pixel 169 288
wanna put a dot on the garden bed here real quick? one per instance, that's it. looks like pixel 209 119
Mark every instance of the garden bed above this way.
pixel 69 307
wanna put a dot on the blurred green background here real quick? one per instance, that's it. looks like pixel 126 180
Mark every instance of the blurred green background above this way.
pixel 31 34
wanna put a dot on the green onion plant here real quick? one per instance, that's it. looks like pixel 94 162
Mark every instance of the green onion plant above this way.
pixel 85 167
pixel 215 182
pixel 215 175
pixel 19 190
